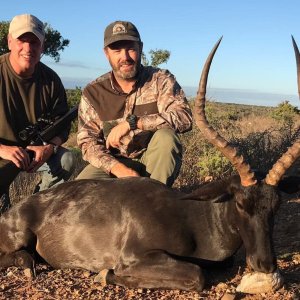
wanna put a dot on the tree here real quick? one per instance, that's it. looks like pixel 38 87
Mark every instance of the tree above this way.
pixel 54 42
pixel 73 96
pixel 158 56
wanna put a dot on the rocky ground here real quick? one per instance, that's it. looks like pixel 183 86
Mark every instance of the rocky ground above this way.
pixel 221 284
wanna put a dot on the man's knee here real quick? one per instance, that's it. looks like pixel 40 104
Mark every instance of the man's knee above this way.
pixel 68 161
pixel 167 140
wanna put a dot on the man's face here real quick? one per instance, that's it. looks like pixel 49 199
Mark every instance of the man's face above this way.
pixel 25 53
pixel 124 58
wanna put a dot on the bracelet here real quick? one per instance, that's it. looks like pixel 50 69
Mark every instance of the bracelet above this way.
pixel 55 147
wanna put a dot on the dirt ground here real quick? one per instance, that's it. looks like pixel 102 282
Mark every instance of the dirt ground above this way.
pixel 221 284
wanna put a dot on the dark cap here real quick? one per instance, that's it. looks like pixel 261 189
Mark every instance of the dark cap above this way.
pixel 120 31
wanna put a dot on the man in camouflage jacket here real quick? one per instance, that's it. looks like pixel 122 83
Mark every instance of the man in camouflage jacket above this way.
pixel 129 118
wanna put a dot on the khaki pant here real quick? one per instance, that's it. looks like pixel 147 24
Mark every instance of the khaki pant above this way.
pixel 161 160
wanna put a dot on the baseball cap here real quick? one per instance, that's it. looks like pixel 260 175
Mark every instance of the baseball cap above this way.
pixel 120 31
pixel 26 23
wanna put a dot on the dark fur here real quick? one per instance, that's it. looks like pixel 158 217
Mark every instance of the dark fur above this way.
pixel 146 234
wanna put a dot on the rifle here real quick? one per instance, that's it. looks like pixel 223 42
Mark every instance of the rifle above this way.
pixel 45 129
pixel 39 133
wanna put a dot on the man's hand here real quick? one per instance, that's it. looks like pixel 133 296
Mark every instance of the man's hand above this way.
pixel 41 155
pixel 120 170
pixel 15 154
pixel 115 135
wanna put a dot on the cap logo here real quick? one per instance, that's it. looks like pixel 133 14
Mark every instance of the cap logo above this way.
pixel 119 28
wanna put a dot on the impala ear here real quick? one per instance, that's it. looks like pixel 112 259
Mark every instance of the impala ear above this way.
pixel 216 191
pixel 216 198
pixel 289 185
pixel 221 198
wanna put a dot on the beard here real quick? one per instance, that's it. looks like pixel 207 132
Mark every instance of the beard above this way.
pixel 123 74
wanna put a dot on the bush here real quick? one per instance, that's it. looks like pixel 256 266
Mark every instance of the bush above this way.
pixel 73 97
pixel 261 146
pixel 285 113
pixel 213 164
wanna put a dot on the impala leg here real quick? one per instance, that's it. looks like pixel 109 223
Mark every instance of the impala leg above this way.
pixel 15 237
pixel 20 259
pixel 157 270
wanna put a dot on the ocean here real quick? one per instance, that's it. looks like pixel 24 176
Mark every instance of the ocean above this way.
pixel 243 96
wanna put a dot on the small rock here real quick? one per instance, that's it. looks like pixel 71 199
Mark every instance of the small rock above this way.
pixel 257 282
pixel 221 286
pixel 86 274
pixel 228 297
pixel 208 179
pixel 28 273
pixel 10 273
pixel 101 277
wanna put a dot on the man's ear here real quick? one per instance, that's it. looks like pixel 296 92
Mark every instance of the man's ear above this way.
pixel 141 47
pixel 9 40
pixel 105 52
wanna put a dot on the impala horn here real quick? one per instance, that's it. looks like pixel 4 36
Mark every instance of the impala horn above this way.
pixel 291 155
pixel 246 175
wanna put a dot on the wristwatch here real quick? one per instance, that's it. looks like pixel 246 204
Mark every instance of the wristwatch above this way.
pixel 55 148
pixel 132 120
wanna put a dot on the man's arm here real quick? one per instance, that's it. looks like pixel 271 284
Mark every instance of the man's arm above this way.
pixel 58 108
pixel 17 155
pixel 173 107
pixel 90 139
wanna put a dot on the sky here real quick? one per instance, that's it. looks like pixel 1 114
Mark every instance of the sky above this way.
pixel 256 53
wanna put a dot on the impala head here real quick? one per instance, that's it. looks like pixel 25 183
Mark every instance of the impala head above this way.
pixel 255 201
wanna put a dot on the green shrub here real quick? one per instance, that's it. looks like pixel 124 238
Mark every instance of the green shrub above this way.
pixel 213 163
pixel 285 113
pixel 73 97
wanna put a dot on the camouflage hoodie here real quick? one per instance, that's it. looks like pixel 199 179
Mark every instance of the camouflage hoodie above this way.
pixel 157 99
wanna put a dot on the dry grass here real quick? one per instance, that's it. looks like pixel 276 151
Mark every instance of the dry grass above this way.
pixel 253 124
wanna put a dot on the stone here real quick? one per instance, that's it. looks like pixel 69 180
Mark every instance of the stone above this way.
pixel 101 277
pixel 28 273
pixel 228 297
pixel 257 282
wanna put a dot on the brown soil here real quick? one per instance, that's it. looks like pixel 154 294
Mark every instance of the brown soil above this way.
pixel 79 284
